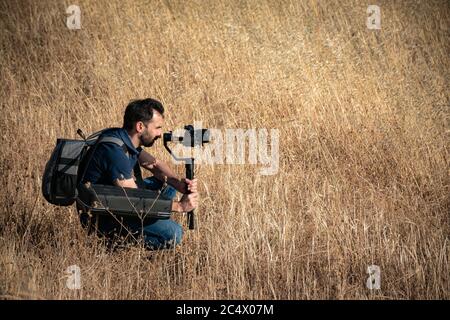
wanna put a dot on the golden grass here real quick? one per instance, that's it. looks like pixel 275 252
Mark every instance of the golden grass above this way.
pixel 364 163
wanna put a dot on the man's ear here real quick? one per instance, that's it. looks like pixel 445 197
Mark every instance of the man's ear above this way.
pixel 139 126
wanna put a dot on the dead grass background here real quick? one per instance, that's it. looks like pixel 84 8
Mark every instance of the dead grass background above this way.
pixel 364 163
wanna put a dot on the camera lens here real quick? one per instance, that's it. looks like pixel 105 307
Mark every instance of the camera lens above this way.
pixel 167 136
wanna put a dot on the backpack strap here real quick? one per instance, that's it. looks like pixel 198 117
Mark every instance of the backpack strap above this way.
pixel 119 142
pixel 136 169
pixel 115 140
pixel 138 175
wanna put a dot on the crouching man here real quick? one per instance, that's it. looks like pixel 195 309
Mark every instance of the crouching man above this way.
pixel 113 165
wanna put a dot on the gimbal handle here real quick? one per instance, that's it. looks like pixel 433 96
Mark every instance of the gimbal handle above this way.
pixel 190 175
pixel 189 166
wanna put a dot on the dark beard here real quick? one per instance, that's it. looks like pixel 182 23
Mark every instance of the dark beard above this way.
pixel 147 143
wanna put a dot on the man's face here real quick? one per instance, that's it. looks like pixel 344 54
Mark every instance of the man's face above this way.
pixel 152 131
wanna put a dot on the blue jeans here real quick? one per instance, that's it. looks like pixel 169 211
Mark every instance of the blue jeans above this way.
pixel 160 234
pixel 154 184
pixel 157 233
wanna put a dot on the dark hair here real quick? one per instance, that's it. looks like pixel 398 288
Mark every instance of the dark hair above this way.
pixel 141 110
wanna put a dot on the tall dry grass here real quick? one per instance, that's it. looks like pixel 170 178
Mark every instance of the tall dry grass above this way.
pixel 364 162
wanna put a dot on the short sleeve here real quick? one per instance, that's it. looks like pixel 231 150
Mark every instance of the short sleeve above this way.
pixel 117 163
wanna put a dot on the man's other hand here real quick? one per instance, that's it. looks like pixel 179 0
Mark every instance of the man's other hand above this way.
pixel 191 185
pixel 189 202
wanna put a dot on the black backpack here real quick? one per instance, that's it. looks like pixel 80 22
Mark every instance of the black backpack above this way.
pixel 68 164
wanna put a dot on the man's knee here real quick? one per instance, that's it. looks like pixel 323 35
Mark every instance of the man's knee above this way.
pixel 173 233
pixel 152 183
pixel 169 192
pixel 163 234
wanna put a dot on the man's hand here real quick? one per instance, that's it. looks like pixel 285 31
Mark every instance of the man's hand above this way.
pixel 190 185
pixel 189 202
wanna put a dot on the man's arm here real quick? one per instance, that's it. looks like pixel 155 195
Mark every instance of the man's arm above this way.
pixel 161 170
pixel 125 183
pixel 188 201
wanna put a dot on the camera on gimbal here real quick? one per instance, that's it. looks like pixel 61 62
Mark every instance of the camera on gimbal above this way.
pixel 192 138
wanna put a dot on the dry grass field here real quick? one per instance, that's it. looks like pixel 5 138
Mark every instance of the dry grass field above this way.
pixel 363 120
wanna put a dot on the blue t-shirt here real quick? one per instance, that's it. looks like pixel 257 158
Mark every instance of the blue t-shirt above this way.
pixel 110 162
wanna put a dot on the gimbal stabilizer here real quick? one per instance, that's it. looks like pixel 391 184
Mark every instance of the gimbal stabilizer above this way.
pixel 191 138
